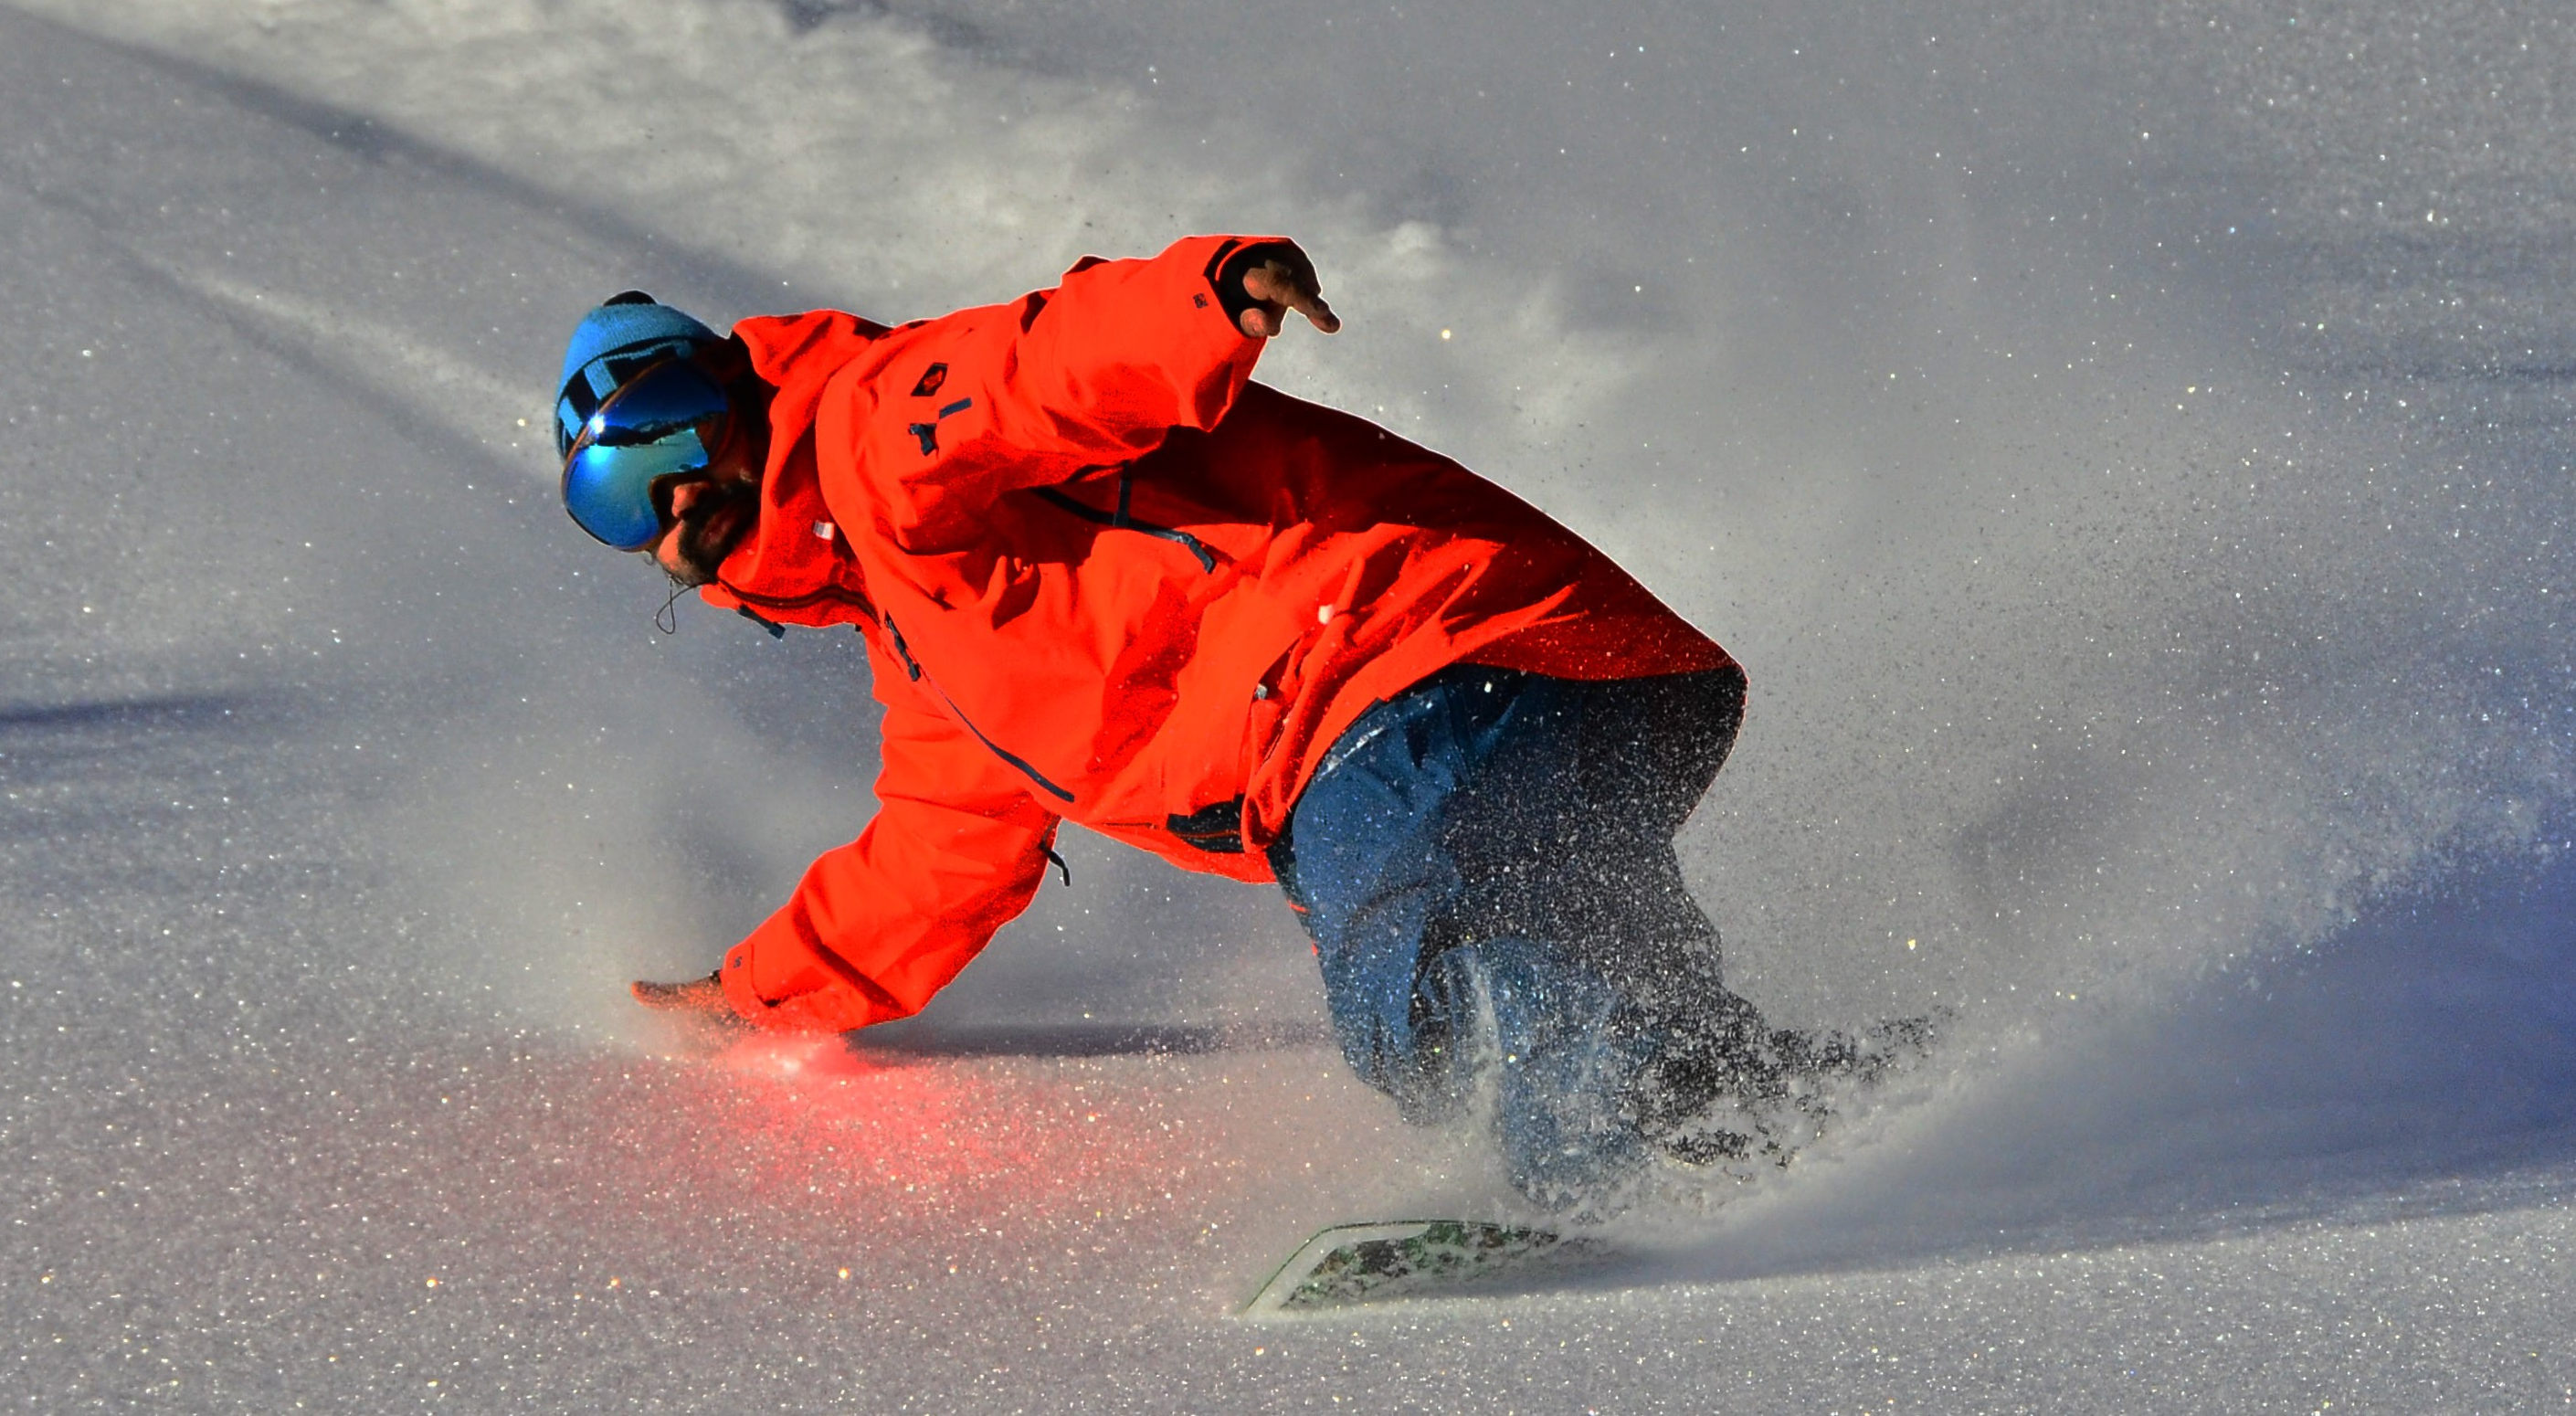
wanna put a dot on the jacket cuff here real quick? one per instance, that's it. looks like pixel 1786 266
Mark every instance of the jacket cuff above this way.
pixel 832 997
pixel 806 1012
pixel 735 976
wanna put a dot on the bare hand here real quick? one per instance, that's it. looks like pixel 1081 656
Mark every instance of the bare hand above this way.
pixel 1278 286
pixel 698 999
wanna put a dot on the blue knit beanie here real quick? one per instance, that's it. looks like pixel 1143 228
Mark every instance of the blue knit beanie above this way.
pixel 627 332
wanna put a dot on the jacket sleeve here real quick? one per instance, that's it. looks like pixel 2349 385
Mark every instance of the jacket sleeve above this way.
pixel 1093 373
pixel 876 927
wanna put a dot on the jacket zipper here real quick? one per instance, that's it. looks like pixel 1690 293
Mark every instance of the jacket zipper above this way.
pixel 1120 520
pixel 798 602
pixel 912 667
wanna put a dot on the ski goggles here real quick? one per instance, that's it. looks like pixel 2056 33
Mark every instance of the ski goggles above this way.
pixel 659 428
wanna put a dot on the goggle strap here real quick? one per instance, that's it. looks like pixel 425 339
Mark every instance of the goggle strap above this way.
pixel 592 383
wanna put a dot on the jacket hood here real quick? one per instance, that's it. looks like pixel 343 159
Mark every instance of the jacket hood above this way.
pixel 796 554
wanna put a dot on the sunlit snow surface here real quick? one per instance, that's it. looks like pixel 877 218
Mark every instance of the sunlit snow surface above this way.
pixel 2130 454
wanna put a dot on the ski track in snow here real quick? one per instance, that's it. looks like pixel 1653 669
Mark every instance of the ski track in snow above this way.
pixel 2129 452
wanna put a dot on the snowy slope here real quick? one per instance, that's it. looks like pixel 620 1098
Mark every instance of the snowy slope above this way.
pixel 2128 452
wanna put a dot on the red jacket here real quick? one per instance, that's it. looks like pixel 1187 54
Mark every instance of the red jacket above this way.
pixel 1102 576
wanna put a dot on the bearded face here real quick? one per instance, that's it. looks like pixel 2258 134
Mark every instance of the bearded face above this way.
pixel 710 518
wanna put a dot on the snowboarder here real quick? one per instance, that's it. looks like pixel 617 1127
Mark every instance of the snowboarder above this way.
pixel 1103 577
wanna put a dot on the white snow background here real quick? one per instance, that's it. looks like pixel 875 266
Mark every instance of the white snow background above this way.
pixel 2129 450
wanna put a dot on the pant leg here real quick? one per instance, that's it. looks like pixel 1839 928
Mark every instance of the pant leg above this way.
pixel 1504 840
pixel 1649 748
pixel 1363 865
pixel 1603 970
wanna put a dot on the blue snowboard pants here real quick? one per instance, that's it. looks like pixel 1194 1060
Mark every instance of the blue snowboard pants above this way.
pixel 1497 845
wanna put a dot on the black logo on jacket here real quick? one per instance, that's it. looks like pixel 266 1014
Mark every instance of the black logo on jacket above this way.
pixel 929 432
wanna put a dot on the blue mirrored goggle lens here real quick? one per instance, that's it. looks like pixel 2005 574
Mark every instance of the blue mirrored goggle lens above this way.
pixel 663 422
pixel 609 490
pixel 601 378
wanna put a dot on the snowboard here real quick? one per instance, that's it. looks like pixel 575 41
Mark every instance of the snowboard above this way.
pixel 1354 1263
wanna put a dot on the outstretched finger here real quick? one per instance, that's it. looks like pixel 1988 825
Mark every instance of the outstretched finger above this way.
pixel 1276 284
pixel 1319 314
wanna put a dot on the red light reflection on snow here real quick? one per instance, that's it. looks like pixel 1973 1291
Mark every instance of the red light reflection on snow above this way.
pixel 811 1117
